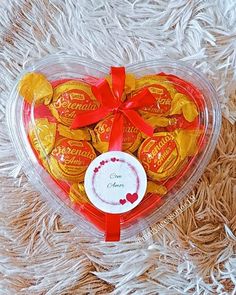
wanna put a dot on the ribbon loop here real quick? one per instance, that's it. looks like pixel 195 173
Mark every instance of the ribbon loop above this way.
pixel 139 100
pixel 104 95
pixel 111 103
pixel 88 118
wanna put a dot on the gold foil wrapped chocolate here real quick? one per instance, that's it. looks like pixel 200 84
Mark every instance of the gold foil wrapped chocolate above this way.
pixel 132 137
pixel 164 154
pixel 70 99
pixel 129 83
pixel 162 90
pixel 153 187
pixel 69 159
pixel 160 121
pixel 42 134
pixel 160 155
pixel 76 134
pixel 35 88
pixel 188 142
pixel 182 104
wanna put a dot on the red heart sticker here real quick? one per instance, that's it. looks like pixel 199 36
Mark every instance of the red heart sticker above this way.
pixel 132 197
pixel 122 201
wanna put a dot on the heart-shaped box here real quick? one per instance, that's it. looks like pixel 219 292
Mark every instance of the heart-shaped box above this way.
pixel 56 156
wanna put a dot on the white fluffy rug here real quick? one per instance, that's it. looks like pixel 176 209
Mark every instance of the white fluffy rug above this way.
pixel 40 252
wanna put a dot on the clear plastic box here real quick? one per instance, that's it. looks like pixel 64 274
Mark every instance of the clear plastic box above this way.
pixel 21 116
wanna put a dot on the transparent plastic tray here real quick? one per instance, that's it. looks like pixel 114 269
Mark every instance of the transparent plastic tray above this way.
pixel 153 208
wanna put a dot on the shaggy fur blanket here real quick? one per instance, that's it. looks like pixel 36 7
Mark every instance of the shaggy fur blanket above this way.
pixel 40 252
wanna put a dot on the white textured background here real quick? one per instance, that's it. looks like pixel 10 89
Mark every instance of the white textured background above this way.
pixel 41 253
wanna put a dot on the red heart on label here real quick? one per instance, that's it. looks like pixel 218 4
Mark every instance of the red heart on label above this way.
pixel 122 201
pixel 132 197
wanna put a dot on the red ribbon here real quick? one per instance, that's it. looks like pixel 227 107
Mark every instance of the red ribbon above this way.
pixel 111 103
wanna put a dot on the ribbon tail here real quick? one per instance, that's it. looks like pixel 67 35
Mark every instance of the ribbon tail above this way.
pixel 112 227
pixel 112 221
pixel 116 136
pixel 138 122
pixel 118 81
pixel 87 118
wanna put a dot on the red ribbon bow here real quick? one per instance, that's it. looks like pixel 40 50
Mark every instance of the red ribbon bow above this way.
pixel 111 103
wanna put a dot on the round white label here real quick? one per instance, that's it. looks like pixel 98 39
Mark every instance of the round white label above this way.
pixel 115 182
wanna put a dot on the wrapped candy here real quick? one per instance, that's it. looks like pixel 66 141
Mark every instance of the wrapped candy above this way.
pixel 42 135
pixel 132 137
pixel 169 100
pixel 160 155
pixel 35 88
pixel 71 98
pixel 181 104
pixel 163 154
pixel 79 134
pixel 154 188
pixel 70 158
pixel 162 90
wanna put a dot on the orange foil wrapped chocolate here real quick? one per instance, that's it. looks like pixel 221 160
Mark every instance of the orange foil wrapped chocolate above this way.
pixel 182 104
pixel 78 134
pixel 70 99
pixel 160 155
pixel 132 137
pixel 162 90
pixel 42 135
pixel 164 154
pixel 35 88
pixel 69 159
